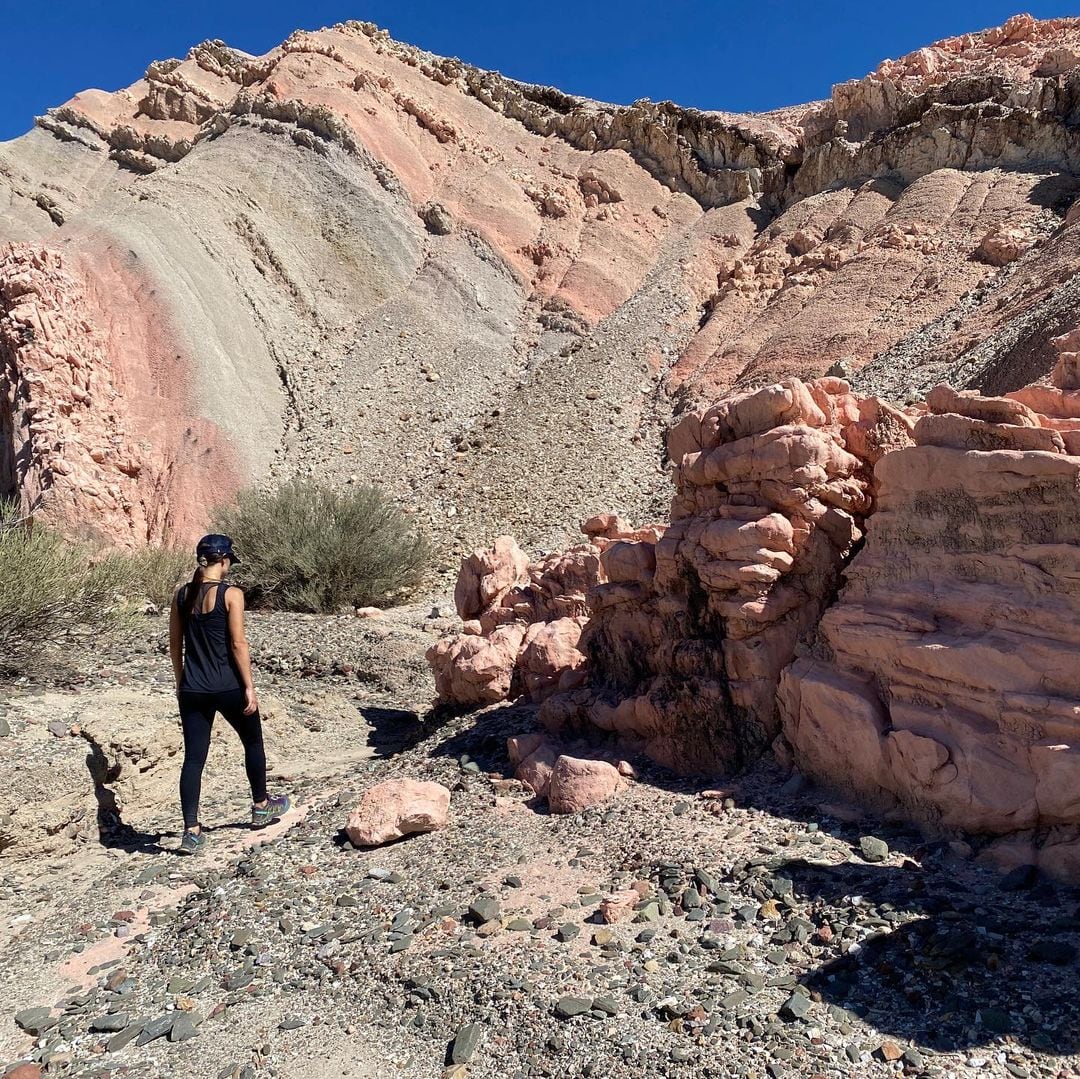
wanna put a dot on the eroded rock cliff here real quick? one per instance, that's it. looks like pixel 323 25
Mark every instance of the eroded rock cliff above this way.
pixel 88 425
pixel 944 677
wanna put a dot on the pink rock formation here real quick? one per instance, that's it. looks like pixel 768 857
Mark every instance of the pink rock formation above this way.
pixel 474 670
pixel 71 389
pixel 944 677
pixel 941 679
pixel 689 634
pixel 550 659
pixel 522 620
pixel 396 808
pixel 578 784
pixel 487 576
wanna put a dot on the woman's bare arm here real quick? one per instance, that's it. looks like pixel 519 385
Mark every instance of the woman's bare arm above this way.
pixel 176 638
pixel 234 604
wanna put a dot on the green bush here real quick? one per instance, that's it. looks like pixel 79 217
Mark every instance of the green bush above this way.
pixel 157 571
pixel 48 586
pixel 317 549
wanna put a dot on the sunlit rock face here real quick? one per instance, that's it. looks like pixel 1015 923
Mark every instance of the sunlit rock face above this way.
pixel 943 677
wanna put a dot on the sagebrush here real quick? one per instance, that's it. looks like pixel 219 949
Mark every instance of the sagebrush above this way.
pixel 158 571
pixel 49 586
pixel 316 549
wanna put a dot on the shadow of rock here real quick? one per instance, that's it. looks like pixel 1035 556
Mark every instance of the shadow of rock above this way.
pixel 941 952
pixel 112 831
pixel 394 730
pixel 976 964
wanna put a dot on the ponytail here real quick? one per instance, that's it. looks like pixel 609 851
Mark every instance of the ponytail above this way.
pixel 193 588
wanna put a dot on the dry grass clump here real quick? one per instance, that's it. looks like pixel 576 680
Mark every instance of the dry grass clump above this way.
pixel 158 571
pixel 52 591
pixel 48 587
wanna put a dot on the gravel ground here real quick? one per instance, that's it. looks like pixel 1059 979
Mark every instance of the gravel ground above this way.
pixel 773 934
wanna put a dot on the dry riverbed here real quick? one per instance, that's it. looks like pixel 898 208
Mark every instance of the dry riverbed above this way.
pixel 775 934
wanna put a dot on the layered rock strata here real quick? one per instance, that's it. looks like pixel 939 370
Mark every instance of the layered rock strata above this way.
pixel 688 634
pixel 384 265
pixel 944 678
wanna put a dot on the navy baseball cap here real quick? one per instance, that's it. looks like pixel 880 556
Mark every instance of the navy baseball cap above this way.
pixel 216 547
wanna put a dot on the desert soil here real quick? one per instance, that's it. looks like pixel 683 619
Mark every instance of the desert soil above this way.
pixel 778 933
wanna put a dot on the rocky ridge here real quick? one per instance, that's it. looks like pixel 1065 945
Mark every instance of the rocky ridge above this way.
pixel 469 267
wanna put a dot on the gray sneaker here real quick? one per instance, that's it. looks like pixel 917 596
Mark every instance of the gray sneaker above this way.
pixel 194 842
pixel 275 807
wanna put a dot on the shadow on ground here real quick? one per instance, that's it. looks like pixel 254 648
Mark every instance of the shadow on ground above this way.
pixel 976 964
pixel 959 955
pixel 394 730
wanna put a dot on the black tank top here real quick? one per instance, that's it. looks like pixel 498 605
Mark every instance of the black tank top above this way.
pixel 209 666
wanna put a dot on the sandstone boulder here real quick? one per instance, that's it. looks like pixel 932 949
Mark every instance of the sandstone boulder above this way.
pixel 396 808
pixel 1003 245
pixel 577 784
pixel 475 670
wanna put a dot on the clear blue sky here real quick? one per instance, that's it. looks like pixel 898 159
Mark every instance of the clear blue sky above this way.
pixel 740 55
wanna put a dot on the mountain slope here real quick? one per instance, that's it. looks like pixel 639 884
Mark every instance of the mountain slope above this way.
pixel 357 260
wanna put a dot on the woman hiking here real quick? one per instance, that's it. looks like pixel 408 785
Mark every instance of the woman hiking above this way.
pixel 212 668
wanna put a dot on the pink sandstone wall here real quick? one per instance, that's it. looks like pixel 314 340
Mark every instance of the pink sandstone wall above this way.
pixel 99 429
pixel 890 599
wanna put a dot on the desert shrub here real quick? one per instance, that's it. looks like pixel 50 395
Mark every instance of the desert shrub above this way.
pixel 311 548
pixel 157 571
pixel 49 586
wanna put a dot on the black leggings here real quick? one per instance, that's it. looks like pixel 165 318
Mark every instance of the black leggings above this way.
pixel 197 711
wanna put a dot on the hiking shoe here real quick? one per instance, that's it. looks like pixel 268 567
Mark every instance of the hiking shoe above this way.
pixel 193 842
pixel 275 807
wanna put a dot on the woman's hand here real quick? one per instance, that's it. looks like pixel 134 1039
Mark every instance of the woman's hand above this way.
pixel 251 701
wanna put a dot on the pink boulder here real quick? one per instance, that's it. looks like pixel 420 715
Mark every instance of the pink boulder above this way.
pixel 619 906
pixel 487 575
pixel 474 670
pixel 549 650
pixel 577 784
pixel 395 808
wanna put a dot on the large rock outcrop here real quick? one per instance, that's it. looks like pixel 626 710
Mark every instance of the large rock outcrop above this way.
pixel 944 677
pixel 522 619
pixel 372 263
pixel 689 633
pixel 890 598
